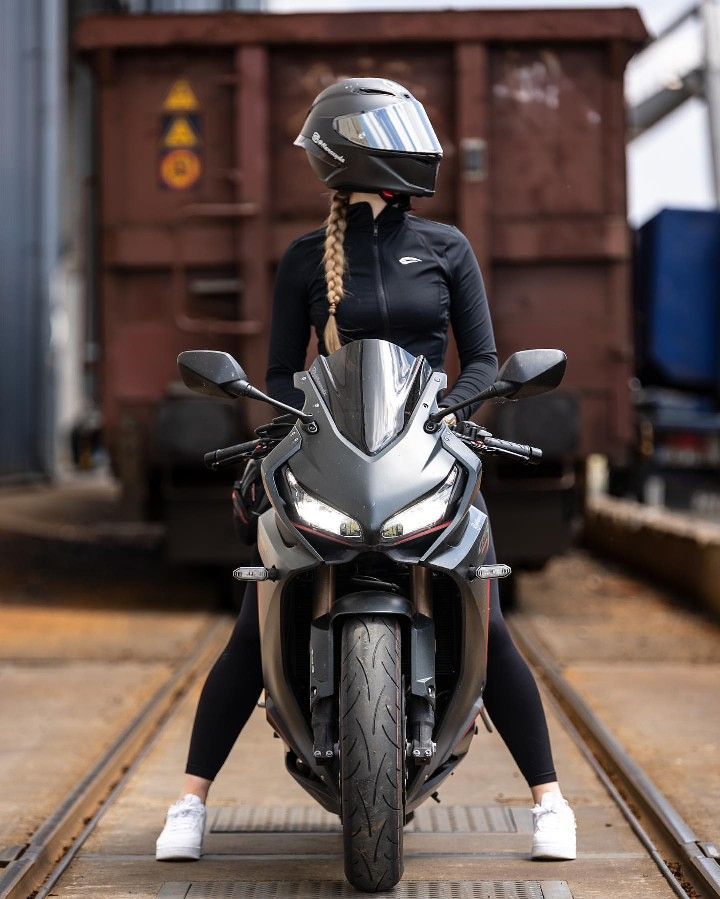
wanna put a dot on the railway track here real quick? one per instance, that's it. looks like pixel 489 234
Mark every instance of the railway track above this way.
pixel 33 868
pixel 690 865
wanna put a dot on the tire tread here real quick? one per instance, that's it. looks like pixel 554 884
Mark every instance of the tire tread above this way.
pixel 372 760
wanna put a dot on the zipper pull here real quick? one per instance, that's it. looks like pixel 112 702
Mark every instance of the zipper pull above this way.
pixel 375 230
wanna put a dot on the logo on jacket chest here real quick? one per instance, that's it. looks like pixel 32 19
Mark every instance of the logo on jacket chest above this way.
pixel 406 260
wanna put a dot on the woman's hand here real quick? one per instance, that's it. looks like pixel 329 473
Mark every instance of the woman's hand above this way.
pixel 450 420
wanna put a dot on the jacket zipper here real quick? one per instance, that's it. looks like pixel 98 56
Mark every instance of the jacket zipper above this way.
pixel 384 312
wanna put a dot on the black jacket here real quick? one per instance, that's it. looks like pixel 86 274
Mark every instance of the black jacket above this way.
pixel 407 280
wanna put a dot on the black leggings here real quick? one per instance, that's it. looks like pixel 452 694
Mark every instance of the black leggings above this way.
pixel 235 682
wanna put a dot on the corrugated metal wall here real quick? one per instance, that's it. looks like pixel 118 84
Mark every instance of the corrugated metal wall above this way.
pixel 23 334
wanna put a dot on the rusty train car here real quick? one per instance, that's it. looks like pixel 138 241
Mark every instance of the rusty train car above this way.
pixel 199 190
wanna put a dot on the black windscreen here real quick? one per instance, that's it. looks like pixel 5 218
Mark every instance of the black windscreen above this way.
pixel 371 388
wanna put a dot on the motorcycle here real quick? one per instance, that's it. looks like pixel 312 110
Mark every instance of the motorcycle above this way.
pixel 373 592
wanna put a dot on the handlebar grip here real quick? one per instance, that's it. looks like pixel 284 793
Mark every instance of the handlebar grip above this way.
pixel 530 453
pixel 228 454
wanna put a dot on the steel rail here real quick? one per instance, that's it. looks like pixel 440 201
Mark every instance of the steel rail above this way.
pixel 46 849
pixel 698 859
pixel 618 798
pixel 57 841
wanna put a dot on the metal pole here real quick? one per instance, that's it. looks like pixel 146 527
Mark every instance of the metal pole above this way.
pixel 52 30
pixel 711 19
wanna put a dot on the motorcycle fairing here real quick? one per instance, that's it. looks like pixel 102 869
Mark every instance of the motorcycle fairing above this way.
pixel 372 487
pixel 283 710
pixel 375 486
pixel 370 388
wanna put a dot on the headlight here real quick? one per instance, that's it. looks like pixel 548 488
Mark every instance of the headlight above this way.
pixel 319 516
pixel 423 515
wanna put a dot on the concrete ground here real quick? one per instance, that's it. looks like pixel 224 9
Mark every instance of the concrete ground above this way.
pixel 86 638
pixel 83 508
pixel 88 633
pixel 118 859
pixel 648 666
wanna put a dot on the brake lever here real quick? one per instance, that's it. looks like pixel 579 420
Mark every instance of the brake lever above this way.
pixel 469 430
pixel 472 435
pixel 274 430
pixel 475 445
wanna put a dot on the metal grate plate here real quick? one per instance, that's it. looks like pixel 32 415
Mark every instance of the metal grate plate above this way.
pixel 313 819
pixel 408 889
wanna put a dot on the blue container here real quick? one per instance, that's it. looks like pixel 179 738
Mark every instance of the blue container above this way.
pixel 677 299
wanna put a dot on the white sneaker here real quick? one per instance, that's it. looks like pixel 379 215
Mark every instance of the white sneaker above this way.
pixel 181 838
pixel 553 829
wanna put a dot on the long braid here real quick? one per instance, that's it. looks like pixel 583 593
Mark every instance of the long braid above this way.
pixel 334 263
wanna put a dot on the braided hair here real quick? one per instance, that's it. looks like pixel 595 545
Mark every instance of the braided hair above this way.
pixel 334 264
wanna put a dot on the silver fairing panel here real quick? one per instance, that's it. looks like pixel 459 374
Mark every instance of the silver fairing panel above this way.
pixel 373 487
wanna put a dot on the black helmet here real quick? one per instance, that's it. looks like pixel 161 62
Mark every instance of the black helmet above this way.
pixel 371 134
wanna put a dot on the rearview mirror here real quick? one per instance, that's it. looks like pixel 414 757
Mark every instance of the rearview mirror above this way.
pixel 530 372
pixel 212 373
pixel 526 373
pixel 218 374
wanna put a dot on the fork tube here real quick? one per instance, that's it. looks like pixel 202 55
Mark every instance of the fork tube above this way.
pixel 421 591
pixel 323 590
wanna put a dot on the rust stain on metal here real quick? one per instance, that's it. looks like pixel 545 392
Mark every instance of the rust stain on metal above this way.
pixel 528 107
pixel 101 32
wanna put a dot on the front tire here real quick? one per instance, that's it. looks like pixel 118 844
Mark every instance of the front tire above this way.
pixel 372 752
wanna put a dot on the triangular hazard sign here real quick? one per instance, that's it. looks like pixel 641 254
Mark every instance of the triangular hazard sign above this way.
pixel 181 98
pixel 180 134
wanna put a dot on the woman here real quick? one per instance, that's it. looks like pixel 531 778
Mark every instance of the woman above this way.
pixel 375 271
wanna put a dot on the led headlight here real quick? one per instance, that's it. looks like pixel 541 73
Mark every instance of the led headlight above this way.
pixel 318 515
pixel 421 516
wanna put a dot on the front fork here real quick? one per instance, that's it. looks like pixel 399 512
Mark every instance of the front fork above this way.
pixel 421 693
pixel 421 701
pixel 322 707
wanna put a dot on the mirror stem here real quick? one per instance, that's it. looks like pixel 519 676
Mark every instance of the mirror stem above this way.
pixel 242 388
pixel 499 388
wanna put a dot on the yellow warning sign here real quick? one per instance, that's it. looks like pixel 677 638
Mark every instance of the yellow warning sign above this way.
pixel 180 133
pixel 181 98
pixel 180 169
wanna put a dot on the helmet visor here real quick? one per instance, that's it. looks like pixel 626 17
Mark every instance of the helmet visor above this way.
pixel 401 127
